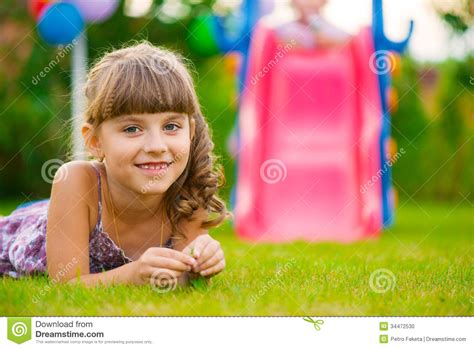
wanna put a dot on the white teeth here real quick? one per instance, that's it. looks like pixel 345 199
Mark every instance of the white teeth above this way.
pixel 154 167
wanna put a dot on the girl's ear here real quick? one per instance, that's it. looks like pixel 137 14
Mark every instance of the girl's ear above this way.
pixel 91 140
pixel 192 127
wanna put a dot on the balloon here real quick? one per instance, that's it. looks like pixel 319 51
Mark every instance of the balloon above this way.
pixel 60 23
pixel 36 6
pixel 201 39
pixel 95 10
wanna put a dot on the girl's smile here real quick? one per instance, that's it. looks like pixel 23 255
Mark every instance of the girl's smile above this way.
pixel 155 168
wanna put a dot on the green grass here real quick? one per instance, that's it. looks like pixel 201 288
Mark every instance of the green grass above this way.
pixel 428 251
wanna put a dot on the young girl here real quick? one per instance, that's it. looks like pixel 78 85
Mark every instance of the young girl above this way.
pixel 310 30
pixel 140 213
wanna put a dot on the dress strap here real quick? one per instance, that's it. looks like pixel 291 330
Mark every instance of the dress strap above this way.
pixel 99 186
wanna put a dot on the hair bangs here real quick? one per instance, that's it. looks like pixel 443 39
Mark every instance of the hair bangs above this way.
pixel 148 87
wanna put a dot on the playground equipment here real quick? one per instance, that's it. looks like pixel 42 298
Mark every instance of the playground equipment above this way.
pixel 385 47
pixel 314 137
pixel 309 143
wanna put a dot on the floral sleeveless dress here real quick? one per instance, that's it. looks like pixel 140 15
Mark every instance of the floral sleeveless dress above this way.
pixel 23 241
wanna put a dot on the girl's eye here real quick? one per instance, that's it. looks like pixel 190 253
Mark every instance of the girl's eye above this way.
pixel 131 128
pixel 171 127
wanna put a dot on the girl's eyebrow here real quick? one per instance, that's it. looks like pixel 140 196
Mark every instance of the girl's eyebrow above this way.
pixel 124 118
pixel 169 116
pixel 173 116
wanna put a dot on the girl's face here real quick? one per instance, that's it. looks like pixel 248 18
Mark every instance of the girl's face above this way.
pixel 161 142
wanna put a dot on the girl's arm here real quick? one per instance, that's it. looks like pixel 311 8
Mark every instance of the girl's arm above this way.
pixel 156 266
pixel 67 233
pixel 126 274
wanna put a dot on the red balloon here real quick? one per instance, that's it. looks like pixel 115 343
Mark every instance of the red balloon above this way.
pixel 36 6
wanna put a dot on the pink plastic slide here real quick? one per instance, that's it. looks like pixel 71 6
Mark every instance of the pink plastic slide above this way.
pixel 309 162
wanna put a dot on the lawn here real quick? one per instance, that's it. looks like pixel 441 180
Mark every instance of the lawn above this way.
pixel 421 266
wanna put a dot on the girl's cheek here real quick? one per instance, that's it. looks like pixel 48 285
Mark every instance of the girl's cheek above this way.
pixel 182 150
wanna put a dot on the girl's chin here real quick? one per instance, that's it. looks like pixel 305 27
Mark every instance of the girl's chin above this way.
pixel 152 187
pixel 153 192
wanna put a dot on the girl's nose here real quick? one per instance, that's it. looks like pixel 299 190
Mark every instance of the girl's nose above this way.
pixel 155 142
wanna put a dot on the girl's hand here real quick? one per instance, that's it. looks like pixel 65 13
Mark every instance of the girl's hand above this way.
pixel 161 266
pixel 208 254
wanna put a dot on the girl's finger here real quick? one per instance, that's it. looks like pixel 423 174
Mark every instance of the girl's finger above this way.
pixel 169 263
pixel 211 248
pixel 188 250
pixel 213 260
pixel 215 269
pixel 199 244
pixel 169 253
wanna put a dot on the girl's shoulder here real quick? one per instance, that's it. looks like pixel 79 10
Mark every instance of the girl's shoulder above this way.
pixel 80 172
pixel 76 178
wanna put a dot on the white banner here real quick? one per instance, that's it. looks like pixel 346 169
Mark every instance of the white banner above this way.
pixel 238 332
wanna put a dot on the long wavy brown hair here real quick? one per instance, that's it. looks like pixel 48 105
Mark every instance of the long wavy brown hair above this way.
pixel 143 78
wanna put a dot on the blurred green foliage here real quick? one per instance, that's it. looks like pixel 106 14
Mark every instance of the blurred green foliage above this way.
pixel 459 16
pixel 434 122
